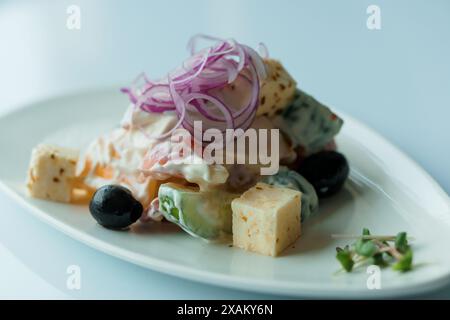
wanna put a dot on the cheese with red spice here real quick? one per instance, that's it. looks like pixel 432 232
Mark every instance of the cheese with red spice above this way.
pixel 277 90
pixel 51 174
pixel 266 219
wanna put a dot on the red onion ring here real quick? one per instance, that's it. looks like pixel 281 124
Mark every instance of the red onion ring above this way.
pixel 190 87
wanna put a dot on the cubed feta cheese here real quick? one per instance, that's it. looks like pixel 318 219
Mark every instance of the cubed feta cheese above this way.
pixel 277 90
pixel 266 219
pixel 51 174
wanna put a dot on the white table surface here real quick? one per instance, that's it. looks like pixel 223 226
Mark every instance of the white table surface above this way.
pixel 396 79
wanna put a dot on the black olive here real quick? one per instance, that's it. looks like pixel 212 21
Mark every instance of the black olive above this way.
pixel 115 207
pixel 326 171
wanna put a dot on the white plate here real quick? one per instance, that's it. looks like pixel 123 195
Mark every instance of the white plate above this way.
pixel 386 192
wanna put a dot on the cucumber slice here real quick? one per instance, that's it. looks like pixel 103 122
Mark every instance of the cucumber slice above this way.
pixel 293 180
pixel 205 214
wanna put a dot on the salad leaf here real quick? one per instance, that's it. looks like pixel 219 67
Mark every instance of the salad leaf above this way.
pixel 401 242
pixel 405 263
pixel 365 248
pixel 345 258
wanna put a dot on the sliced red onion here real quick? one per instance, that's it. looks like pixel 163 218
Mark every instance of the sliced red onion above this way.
pixel 188 90
pixel 263 51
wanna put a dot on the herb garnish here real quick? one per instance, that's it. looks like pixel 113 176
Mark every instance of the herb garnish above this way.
pixel 376 250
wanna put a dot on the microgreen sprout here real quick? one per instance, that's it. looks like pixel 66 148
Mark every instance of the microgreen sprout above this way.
pixel 377 250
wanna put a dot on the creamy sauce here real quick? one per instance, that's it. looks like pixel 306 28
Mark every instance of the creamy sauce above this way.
pixel 194 169
pixel 123 150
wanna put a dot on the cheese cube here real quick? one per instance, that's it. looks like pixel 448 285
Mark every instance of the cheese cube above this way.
pixel 277 90
pixel 51 174
pixel 266 219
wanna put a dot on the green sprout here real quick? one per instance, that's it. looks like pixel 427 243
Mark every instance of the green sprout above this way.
pixel 377 250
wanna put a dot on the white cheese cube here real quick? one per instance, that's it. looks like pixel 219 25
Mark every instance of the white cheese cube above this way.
pixel 266 219
pixel 51 174
pixel 277 90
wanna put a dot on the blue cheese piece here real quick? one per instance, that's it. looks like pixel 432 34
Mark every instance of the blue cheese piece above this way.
pixel 290 179
pixel 266 219
pixel 51 174
pixel 308 123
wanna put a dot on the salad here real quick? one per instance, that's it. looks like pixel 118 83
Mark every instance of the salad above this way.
pixel 226 146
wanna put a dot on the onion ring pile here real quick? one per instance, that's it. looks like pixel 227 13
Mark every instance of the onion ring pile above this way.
pixel 191 91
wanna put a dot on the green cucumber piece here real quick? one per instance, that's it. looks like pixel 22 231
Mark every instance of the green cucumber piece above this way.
pixel 291 179
pixel 205 214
